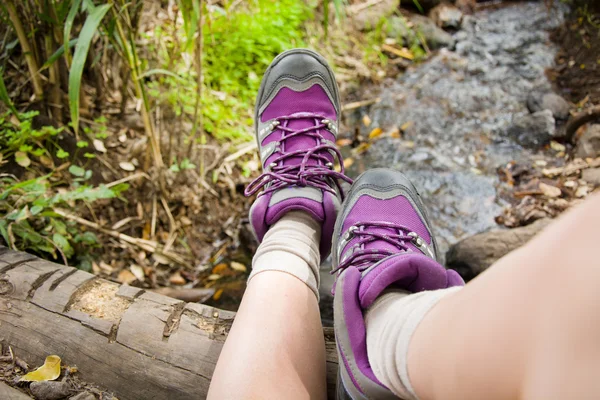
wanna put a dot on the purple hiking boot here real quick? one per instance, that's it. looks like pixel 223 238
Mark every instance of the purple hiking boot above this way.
pixel 296 122
pixel 382 239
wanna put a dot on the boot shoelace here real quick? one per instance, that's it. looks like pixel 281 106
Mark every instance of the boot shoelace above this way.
pixel 362 258
pixel 301 174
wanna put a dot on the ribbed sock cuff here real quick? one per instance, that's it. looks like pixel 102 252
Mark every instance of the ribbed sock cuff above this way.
pixel 292 246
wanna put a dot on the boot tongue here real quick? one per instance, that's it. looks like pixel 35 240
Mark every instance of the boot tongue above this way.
pixel 305 142
pixel 412 271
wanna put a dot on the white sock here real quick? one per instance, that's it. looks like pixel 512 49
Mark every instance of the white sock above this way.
pixel 291 246
pixel 391 322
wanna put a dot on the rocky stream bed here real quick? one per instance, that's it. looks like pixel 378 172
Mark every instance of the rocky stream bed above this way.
pixel 470 109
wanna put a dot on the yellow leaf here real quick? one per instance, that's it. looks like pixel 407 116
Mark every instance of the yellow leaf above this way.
pixel 362 148
pixel 366 120
pixel 219 268
pixel 375 133
pixel 406 126
pixel 236 266
pixel 218 294
pixel 47 372
pixel 343 142
pixel 348 162
pixel 395 133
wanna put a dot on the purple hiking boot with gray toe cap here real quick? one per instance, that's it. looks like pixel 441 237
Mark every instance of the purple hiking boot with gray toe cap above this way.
pixel 382 240
pixel 296 122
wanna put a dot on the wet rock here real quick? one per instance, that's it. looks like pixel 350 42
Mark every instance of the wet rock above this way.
pixel 588 144
pixel 591 176
pixel 446 16
pixel 435 36
pixel 49 390
pixel 532 130
pixel 83 396
pixel 537 101
pixel 368 18
pixel 475 254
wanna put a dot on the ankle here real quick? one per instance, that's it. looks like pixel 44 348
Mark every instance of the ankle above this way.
pixel 291 246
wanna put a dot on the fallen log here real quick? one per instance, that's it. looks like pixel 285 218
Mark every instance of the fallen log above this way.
pixel 135 343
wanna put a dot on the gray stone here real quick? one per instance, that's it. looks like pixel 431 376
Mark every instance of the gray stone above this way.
pixel 50 390
pixel 475 254
pixel 588 144
pixel 591 176
pixel 532 130
pixel 368 18
pixel 435 36
pixel 537 101
pixel 446 16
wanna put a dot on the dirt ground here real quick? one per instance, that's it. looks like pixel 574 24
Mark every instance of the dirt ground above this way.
pixel 577 73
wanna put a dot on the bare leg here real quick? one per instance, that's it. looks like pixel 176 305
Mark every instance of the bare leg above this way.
pixel 276 348
pixel 528 328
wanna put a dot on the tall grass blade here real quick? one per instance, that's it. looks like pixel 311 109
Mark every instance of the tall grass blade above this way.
pixel 69 24
pixel 83 45
pixel 4 96
pixel 56 55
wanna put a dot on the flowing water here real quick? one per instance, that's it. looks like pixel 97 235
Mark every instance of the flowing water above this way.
pixel 456 109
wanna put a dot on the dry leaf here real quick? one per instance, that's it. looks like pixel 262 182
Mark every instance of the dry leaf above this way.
pixel 406 125
pixel 366 120
pixel 99 145
pixel 47 372
pixel 549 190
pixel 218 294
pixel 236 266
pixel 582 191
pixel 375 133
pixel 219 268
pixel 125 276
pixel 348 162
pixel 185 221
pixel 138 272
pixel 362 148
pixel 46 161
pixel 395 133
pixel 22 159
pixel 127 166
pixel 214 277
pixel 557 146
pixel 343 142
pixel 177 279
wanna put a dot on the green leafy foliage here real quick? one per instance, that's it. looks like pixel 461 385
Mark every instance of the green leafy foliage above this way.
pixel 28 217
pixel 238 47
pixel 29 220
pixel 21 141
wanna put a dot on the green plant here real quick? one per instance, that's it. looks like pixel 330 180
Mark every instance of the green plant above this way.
pixel 29 221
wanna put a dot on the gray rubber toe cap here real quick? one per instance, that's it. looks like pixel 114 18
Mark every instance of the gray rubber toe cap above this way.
pixel 294 68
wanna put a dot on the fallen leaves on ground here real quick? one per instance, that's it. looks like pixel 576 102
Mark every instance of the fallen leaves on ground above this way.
pixel 47 372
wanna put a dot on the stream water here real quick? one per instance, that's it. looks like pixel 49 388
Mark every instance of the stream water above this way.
pixel 458 107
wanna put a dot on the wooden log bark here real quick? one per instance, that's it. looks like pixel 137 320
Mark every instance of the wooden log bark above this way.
pixel 135 343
